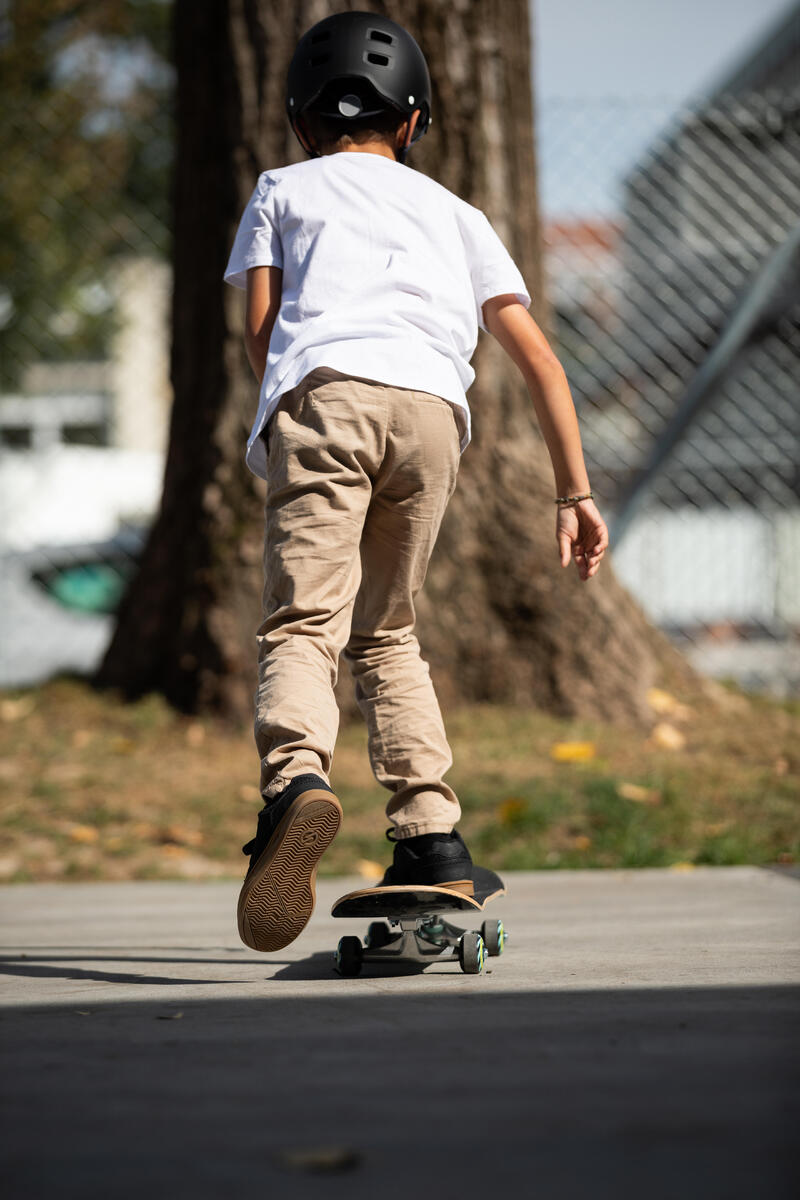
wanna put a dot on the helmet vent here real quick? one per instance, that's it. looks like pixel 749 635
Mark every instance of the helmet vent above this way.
pixel 380 60
pixel 377 35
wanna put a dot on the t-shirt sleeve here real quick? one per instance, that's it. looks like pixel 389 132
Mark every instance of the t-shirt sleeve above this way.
pixel 258 239
pixel 492 269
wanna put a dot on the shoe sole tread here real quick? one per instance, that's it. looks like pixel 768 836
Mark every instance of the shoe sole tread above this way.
pixel 278 895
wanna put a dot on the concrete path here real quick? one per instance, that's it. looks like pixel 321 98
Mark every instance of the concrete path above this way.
pixel 638 1038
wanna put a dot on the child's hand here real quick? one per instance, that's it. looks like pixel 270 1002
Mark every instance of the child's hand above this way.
pixel 581 533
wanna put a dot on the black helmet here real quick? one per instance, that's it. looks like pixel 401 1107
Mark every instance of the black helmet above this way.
pixel 356 65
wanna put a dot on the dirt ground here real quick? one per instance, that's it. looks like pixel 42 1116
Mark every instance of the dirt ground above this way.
pixel 92 788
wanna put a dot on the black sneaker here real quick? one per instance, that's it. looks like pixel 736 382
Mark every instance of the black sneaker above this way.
pixel 435 858
pixel 294 831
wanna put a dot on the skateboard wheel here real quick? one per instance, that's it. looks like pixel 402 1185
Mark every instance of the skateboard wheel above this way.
pixel 494 937
pixel 471 953
pixel 349 956
pixel 378 935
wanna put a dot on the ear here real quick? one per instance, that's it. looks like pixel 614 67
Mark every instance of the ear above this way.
pixel 406 130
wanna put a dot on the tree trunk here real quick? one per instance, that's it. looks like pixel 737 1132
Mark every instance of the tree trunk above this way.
pixel 499 619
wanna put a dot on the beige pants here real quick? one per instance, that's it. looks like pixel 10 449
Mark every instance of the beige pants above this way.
pixel 359 475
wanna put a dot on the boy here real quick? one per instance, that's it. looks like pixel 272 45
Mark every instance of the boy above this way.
pixel 365 284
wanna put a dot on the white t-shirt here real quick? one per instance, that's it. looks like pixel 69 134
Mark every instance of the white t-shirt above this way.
pixel 384 275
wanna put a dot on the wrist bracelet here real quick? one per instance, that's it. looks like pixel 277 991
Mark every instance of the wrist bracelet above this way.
pixel 574 499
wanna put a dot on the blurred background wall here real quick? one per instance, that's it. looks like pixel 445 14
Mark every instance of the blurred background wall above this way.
pixel 669 158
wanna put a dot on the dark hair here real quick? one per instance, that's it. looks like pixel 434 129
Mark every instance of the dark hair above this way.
pixel 327 131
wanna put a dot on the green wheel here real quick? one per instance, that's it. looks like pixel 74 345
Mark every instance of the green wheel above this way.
pixel 378 935
pixel 494 937
pixel 471 953
pixel 349 956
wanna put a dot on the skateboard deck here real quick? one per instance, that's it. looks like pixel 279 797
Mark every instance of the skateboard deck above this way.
pixel 420 933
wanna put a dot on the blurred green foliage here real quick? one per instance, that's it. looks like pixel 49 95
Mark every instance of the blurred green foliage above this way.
pixel 86 145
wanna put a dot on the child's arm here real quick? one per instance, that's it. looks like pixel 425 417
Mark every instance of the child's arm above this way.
pixel 580 530
pixel 263 301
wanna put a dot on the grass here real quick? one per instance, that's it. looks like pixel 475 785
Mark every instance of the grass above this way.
pixel 91 788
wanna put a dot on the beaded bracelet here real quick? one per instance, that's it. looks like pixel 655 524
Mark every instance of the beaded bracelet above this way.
pixel 574 499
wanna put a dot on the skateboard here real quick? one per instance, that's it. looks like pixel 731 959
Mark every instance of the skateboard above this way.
pixel 413 929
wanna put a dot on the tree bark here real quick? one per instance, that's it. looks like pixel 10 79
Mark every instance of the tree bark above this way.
pixel 498 619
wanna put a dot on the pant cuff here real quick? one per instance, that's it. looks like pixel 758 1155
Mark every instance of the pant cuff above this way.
pixel 418 827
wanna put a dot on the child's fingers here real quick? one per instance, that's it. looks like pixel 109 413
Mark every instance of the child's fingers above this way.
pixel 601 539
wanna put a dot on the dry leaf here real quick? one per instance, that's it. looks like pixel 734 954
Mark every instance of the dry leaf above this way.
pixel 661 701
pixel 320 1159
pixel 714 828
pixel 144 830
pixel 9 865
pixel 182 836
pixel 86 834
pixel 664 703
pixel 17 710
pixel 667 737
pixel 573 751
pixel 510 810
pixel 170 850
pixel 123 745
pixel 681 866
pixel 368 869
pixel 637 793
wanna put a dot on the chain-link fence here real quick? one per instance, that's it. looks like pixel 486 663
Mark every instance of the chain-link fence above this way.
pixel 671 251
pixel 676 287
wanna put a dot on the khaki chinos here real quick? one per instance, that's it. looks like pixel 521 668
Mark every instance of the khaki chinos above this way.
pixel 359 474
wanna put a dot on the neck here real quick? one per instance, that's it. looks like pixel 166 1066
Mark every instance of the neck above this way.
pixel 380 148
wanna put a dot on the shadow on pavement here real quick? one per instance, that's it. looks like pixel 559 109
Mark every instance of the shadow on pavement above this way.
pixel 660 1093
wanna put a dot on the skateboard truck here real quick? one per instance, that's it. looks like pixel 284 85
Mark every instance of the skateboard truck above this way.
pixel 413 929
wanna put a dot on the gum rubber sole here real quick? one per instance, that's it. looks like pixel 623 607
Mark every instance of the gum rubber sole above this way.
pixel 277 897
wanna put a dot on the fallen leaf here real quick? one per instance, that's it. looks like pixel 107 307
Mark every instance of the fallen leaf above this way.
pixel 681 866
pixel 195 734
pixel 9 865
pixel 170 850
pixel 86 834
pixel 123 745
pixel 638 794
pixel 17 710
pixel 510 810
pixel 715 828
pixel 667 737
pixel 145 830
pixel 320 1159
pixel 368 869
pixel 573 751
pixel 182 836
pixel 661 701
